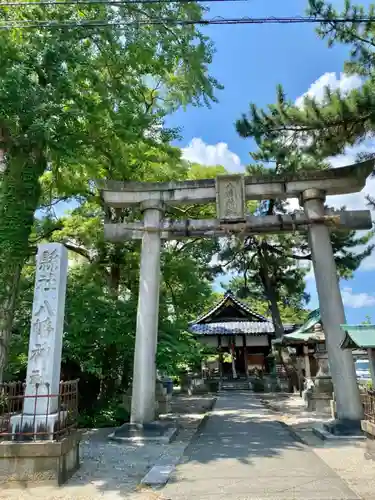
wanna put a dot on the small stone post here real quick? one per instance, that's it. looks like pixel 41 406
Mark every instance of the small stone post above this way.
pixel 220 369
pixel 349 408
pixel 144 372
pixel 45 346
pixel 300 375
pixel 323 387
pixel 307 362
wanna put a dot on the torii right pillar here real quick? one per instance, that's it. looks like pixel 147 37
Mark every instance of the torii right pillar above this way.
pixel 349 407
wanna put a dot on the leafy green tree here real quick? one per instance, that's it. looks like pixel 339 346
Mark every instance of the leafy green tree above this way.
pixel 367 321
pixel 104 278
pixel 83 103
pixel 291 312
pixel 269 274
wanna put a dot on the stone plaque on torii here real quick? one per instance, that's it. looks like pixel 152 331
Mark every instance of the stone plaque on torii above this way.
pixel 230 194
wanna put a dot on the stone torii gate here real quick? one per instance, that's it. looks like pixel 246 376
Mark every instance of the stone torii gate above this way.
pixel 230 192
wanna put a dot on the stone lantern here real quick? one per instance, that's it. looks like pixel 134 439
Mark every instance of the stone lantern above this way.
pixel 323 387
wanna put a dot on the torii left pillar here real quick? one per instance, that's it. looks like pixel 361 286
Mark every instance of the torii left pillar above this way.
pixel 144 371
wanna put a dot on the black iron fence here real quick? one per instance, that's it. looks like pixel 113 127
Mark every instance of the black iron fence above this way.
pixel 58 419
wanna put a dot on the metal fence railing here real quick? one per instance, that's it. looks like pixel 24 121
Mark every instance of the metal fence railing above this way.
pixel 17 424
pixel 368 401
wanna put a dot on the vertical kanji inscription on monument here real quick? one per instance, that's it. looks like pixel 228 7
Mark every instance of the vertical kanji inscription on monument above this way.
pixel 47 323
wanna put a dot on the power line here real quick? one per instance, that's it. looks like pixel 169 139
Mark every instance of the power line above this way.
pixel 34 24
pixel 46 3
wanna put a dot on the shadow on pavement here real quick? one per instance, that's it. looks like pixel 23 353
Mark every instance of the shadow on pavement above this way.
pixel 244 452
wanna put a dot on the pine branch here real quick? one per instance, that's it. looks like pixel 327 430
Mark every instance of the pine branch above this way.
pixel 48 233
pixel 288 256
pixel 84 252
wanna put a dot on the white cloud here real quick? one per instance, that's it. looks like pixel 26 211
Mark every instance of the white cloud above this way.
pixel 355 201
pixel 368 264
pixel 219 154
pixel 357 300
pixel 345 83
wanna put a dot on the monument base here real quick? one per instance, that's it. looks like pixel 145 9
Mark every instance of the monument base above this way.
pixel 344 427
pixel 158 431
pixel 36 427
pixel 369 430
pixel 39 463
pixel 339 429
pixel 321 403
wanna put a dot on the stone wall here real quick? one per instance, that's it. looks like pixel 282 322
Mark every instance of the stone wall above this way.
pixel 38 463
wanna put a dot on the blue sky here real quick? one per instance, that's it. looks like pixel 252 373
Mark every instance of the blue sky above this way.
pixel 250 61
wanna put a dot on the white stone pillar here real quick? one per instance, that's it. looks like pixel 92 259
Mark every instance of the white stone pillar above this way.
pixel 45 345
pixel 144 372
pixel 371 358
pixel 341 363
pixel 300 375
pixel 307 362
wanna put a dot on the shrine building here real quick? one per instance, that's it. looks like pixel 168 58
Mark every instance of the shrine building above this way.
pixel 233 328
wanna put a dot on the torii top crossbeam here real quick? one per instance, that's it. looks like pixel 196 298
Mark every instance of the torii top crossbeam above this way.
pixel 344 180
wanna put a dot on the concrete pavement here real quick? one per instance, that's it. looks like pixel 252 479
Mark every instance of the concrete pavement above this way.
pixel 243 453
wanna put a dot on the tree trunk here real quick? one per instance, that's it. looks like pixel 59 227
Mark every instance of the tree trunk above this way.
pixel 7 309
pixel 110 377
pixel 271 295
pixel 19 197
pixel 109 380
pixel 272 299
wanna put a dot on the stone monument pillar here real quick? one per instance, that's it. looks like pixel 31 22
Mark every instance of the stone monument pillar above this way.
pixel 144 372
pixel 41 412
pixel 349 408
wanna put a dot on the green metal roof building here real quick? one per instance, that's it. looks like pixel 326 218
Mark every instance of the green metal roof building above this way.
pixel 358 337
pixel 311 332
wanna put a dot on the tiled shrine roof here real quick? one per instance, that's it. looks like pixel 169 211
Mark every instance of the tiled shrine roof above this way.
pixel 310 332
pixel 358 336
pixel 233 328
pixel 232 317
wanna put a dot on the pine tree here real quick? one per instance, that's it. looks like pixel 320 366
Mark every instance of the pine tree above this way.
pixel 294 137
pixel 325 128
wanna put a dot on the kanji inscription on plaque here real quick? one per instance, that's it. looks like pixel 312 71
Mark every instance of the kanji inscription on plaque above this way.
pixel 230 197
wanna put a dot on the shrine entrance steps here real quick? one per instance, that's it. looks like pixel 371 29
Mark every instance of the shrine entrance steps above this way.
pixel 235 385
pixel 243 453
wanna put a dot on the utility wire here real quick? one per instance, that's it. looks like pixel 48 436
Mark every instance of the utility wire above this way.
pixel 32 24
pixel 52 3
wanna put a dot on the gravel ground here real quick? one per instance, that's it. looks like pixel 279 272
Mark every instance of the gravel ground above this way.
pixel 110 470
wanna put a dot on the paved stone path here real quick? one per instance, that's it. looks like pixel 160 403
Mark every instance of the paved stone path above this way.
pixel 354 468
pixel 243 453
